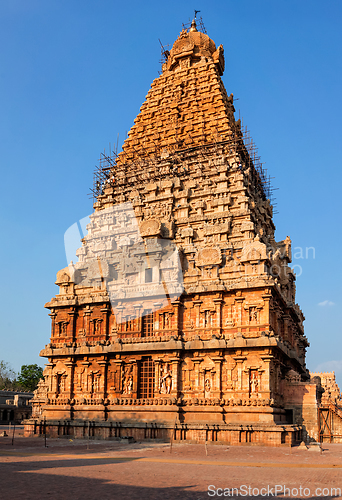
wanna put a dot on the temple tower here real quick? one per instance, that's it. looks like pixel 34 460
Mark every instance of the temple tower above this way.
pixel 180 316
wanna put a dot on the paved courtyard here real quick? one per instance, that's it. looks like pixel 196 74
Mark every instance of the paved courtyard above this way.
pixel 81 470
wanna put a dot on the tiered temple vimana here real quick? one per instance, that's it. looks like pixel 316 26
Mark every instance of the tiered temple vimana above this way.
pixel 179 319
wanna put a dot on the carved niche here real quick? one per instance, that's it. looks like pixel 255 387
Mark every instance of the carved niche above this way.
pixel 254 251
pixel 150 227
pixel 165 379
pixel 209 257
pixel 127 379
pixel 253 310
pixel 253 368
pixel 79 379
pixel 60 376
pixel 229 366
pixel 187 374
pixel 207 369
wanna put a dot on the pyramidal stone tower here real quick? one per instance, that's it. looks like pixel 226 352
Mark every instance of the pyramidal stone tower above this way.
pixel 179 319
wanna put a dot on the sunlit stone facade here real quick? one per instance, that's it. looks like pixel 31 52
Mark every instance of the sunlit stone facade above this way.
pixel 179 320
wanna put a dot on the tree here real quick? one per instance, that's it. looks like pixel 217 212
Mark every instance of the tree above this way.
pixel 7 377
pixel 29 377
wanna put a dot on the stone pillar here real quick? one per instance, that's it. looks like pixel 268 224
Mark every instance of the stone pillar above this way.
pixel 176 326
pixel 175 376
pixel 71 326
pixel 287 319
pixel 196 362
pixel 190 325
pixel 218 307
pixel 197 305
pixel 117 374
pixel 217 386
pixel 86 384
pixel 103 363
pixel 157 306
pixel 239 360
pixel 138 312
pixel 266 312
pixel 276 364
pixel 53 315
pixel 246 381
pixel 105 311
pixel 119 319
pixel 260 380
pixel 48 376
pixel 239 302
pixel 156 270
pixel 266 386
pixel 135 378
pixel 86 320
pixel 54 377
pixel 71 367
pixel 157 362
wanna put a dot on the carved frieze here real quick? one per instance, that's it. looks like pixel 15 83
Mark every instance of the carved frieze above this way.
pixel 210 229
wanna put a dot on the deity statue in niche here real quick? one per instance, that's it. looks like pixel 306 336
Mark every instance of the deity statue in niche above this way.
pixel 129 385
pixel 208 319
pixel 128 380
pixel 110 379
pixel 95 383
pixel 96 326
pixel 166 321
pixel 79 378
pixel 235 378
pixel 91 382
pixel 62 328
pixel 253 382
pixel 207 385
pixel 253 315
pixel 60 383
pixel 234 315
pixel 165 380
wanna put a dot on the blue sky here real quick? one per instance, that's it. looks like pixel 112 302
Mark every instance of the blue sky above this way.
pixel 73 75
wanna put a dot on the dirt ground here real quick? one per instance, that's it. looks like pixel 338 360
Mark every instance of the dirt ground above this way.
pixel 80 470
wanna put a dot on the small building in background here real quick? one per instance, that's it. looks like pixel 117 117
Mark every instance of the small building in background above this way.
pixel 15 406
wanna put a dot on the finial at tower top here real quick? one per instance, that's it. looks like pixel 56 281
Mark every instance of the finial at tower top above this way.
pixel 193 26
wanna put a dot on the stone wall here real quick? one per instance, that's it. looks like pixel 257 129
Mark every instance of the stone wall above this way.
pixel 302 400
